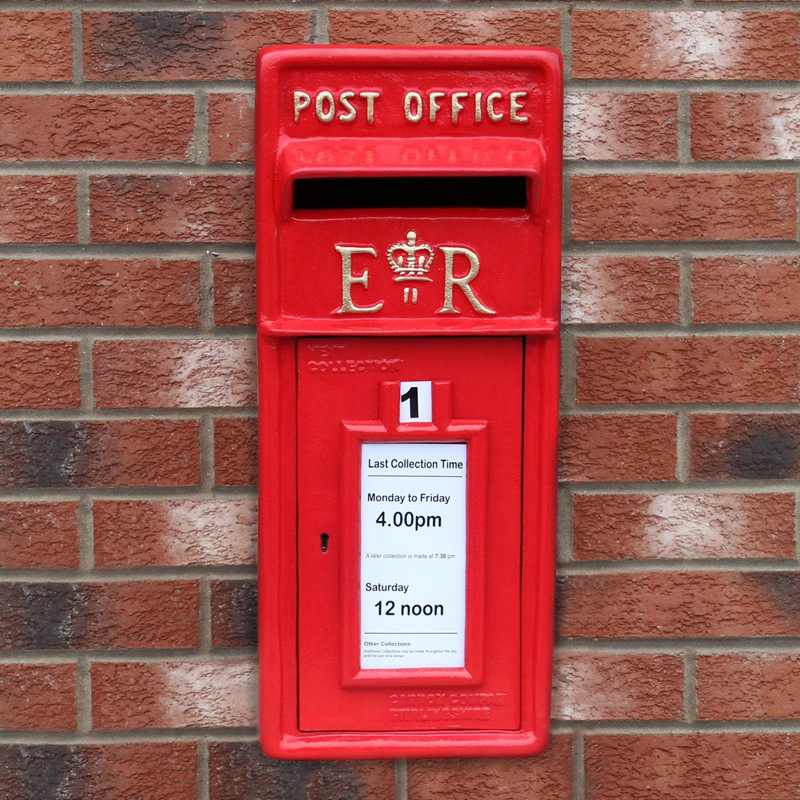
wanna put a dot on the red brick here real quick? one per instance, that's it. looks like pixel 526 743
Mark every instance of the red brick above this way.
pixel 618 448
pixel 610 289
pixel 115 453
pixel 40 375
pixel 628 526
pixel 749 446
pixel 174 694
pixel 745 126
pixel 239 771
pixel 724 369
pixel 679 605
pixel 99 616
pixel 35 46
pixel 37 697
pixel 546 777
pixel 685 45
pixel 746 289
pixel 95 293
pixel 713 766
pixel 234 293
pixel 177 45
pixel 152 533
pixel 669 207
pixel 236 451
pixel 231 127
pixel 233 614
pixel 624 687
pixel 37 209
pixel 172 208
pixel 767 686
pixel 446 27
pixel 141 771
pixel 184 373
pixel 96 128
pixel 38 535
pixel 606 126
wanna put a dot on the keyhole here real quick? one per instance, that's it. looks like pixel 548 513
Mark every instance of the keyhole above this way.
pixel 323 542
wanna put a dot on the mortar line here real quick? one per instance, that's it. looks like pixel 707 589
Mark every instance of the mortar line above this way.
pixel 77 47
pixel 207 301
pixel 122 251
pixel 187 86
pixel 83 695
pixel 612 647
pixel 678 566
pixel 690 687
pixel 103 334
pixel 127 657
pixel 685 290
pixel 320 27
pixel 578 769
pixel 683 448
pixel 565 533
pixel 661 728
pixel 85 533
pixel 572 167
pixel 165 735
pixel 83 209
pixel 353 5
pixel 246 250
pixel 673 331
pixel 49 493
pixel 141 575
pixel 201 127
pixel 797 207
pixel 203 777
pixel 127 415
pixel 566 40
pixel 569 368
pixel 401 779
pixel 204 617
pixel 207 472
pixel 86 370
pixel 139 169
pixel 797 524
pixel 684 128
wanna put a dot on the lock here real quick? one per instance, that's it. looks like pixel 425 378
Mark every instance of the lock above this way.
pixel 408 272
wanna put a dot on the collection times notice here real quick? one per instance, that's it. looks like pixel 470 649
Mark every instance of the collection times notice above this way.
pixel 413 555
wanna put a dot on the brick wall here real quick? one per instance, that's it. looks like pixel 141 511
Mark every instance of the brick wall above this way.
pixel 127 419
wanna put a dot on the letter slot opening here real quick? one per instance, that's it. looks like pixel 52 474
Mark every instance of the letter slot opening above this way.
pixel 490 191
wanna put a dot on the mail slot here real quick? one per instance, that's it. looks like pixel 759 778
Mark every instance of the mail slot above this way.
pixel 408 256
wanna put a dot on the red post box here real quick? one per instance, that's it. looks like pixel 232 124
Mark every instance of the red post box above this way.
pixel 408 205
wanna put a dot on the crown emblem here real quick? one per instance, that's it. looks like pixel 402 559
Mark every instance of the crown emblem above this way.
pixel 410 261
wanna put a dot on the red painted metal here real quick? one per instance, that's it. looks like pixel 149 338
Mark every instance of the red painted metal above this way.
pixel 341 321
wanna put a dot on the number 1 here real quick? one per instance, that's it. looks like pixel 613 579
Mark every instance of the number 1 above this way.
pixel 412 395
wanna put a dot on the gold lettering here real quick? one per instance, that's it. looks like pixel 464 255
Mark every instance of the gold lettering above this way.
pixel 456 106
pixel 350 113
pixel 433 101
pixel 325 114
pixel 302 100
pixel 516 106
pixel 494 116
pixel 370 97
pixel 463 281
pixel 413 114
pixel 348 279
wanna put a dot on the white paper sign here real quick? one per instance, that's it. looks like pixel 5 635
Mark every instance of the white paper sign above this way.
pixel 413 555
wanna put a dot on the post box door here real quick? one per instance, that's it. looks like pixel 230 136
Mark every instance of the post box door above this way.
pixel 409 503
